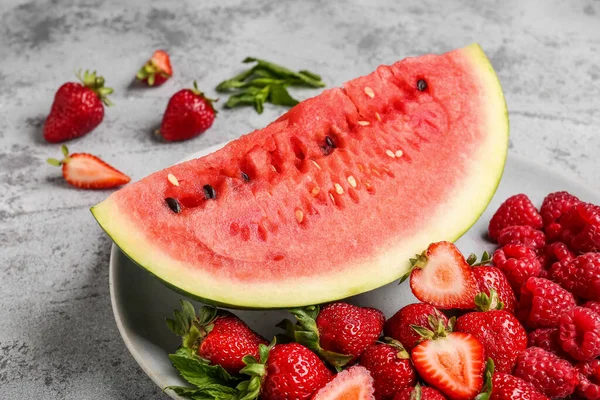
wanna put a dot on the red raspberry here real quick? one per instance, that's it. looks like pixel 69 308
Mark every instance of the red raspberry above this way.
pixel 492 277
pixel 549 374
pixel 593 305
pixel 518 263
pixel 580 276
pixel 589 379
pixel 522 234
pixel 516 210
pixel 542 303
pixel 553 207
pixel 547 339
pixel 557 251
pixel 581 228
pixel 579 333
pixel 398 327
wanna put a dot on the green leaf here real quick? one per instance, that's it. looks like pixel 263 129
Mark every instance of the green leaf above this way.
pixel 471 259
pixel 488 386
pixel 279 96
pixel 244 98
pixel 310 74
pixel 198 371
pixel 208 392
pixel 305 79
pixel 65 150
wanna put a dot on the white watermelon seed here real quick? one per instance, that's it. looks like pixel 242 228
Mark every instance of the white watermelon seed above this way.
pixel 332 198
pixel 352 181
pixel 369 92
pixel 338 188
pixel 173 180
pixel 364 123
pixel 390 153
pixel 399 153
pixel 299 216
pixel 316 165
pixel 378 116
pixel 315 191
pixel 273 168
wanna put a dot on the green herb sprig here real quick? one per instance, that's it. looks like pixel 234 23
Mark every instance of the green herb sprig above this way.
pixel 266 82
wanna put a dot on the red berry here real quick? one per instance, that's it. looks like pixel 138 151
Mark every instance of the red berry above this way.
pixel 492 277
pixel 549 374
pixel 522 234
pixel 348 329
pixel 580 276
pixel 542 302
pixel 293 372
pixel 501 334
pixel 547 339
pixel 399 326
pixel 157 70
pixel 593 305
pixel 581 228
pixel 554 252
pixel 589 379
pixel 228 342
pixel 188 114
pixel 516 210
pixel 77 108
pixel 508 387
pixel 390 367
pixel 441 277
pixel 579 333
pixel 518 262
pixel 554 206
pixel 419 392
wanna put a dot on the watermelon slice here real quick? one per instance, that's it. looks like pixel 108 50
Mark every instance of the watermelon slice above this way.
pixel 332 198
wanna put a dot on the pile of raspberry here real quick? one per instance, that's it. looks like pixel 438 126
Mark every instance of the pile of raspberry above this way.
pixel 551 257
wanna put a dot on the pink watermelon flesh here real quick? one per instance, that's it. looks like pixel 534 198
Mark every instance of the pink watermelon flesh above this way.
pixel 332 198
pixel 354 383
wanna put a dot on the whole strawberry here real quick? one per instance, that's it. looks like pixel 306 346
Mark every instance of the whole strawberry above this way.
pixel 518 262
pixel 522 234
pixel 188 114
pixel 554 206
pixel 509 387
pixel 390 367
pixel 157 69
pixel 77 108
pixel 516 210
pixel 581 228
pixel 338 333
pixel 419 393
pixel 501 334
pixel 420 314
pixel 589 379
pixel 217 336
pixel 579 333
pixel 489 277
pixel 552 376
pixel 542 302
pixel 580 276
pixel 293 372
pixel 282 372
pixel 547 339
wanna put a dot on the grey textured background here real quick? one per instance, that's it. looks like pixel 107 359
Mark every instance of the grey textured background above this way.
pixel 58 338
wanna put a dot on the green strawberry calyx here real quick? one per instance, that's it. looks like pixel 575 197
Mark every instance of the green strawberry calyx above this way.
pixel 305 332
pixel 95 83
pixel 437 328
pixel 401 354
pixel 191 327
pixel 58 163
pixel 485 302
pixel 486 391
pixel 208 100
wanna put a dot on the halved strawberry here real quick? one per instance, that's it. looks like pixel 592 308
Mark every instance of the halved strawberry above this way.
pixel 157 70
pixel 442 277
pixel 86 171
pixel 452 362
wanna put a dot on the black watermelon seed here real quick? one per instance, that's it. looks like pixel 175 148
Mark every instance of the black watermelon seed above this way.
pixel 173 205
pixel 329 142
pixel 245 177
pixel 209 192
pixel 421 84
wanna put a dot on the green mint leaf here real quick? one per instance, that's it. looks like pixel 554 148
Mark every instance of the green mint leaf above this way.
pixel 310 74
pixel 198 371
pixel 279 96
pixel 208 392
pixel 234 82
pixel 305 79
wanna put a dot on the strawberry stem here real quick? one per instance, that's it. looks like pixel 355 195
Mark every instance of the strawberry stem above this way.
pixel 96 84
pixel 487 303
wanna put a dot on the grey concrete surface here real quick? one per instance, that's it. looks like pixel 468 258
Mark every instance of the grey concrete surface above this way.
pixel 58 339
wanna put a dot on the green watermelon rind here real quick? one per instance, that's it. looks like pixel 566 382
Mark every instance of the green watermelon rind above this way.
pixel 106 214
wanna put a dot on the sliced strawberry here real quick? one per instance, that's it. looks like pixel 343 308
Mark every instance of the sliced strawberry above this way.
pixel 442 277
pixel 86 171
pixel 157 70
pixel 452 363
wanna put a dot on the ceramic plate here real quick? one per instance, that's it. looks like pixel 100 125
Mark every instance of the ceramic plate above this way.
pixel 141 303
